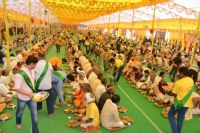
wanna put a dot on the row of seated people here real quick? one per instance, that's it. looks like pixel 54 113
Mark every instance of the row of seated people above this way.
pixel 90 90
pixel 145 78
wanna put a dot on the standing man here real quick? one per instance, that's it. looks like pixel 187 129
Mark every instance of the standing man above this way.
pixel 182 101
pixel 177 61
pixel 58 43
pixel 43 79
pixel 24 85
pixel 119 67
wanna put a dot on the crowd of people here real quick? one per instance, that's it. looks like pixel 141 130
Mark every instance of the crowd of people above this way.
pixel 147 67
pixel 96 64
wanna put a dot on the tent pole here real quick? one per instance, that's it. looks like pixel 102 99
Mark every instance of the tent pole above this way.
pixel 132 23
pixel 109 23
pixel 180 33
pixel 118 22
pixel 16 25
pixel 153 23
pixel 30 26
pixel 195 44
pixel 5 13
pixel 40 23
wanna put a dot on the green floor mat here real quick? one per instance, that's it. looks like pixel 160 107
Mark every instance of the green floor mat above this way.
pixel 146 116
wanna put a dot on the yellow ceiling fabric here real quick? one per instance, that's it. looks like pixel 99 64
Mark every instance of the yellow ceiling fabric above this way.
pixel 130 1
pixel 164 24
pixel 77 11
pixel 14 16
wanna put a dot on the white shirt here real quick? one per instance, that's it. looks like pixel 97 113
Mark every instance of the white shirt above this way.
pixel 99 91
pixel 156 81
pixel 46 82
pixel 3 89
pixel 21 84
pixel 12 76
pixel 13 62
pixel 5 80
pixel 20 57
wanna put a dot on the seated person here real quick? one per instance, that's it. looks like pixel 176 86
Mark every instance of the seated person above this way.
pixel 3 100
pixel 156 82
pixel 135 75
pixel 78 96
pixel 128 66
pixel 159 90
pixel 91 119
pixel 145 81
pixel 110 114
pixel 106 95
pixel 5 79
pixel 99 91
pixel 196 102
pixel 153 74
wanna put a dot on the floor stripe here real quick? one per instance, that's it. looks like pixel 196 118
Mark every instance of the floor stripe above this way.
pixel 147 117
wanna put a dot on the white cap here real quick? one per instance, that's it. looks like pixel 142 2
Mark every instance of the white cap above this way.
pixel 89 97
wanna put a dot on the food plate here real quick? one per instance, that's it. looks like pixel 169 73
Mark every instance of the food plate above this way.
pixel 150 98
pixel 40 96
pixel 81 111
pixel 69 110
pixel 69 92
pixel 70 100
pixel 10 106
pixel 158 105
pixel 72 123
pixel 67 86
pixel 143 92
pixel 5 116
pixel 126 120
pixel 122 109
pixel 165 114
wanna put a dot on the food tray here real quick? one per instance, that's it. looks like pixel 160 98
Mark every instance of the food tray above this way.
pixel 40 96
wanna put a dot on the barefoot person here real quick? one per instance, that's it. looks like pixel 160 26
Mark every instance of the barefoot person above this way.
pixel 24 85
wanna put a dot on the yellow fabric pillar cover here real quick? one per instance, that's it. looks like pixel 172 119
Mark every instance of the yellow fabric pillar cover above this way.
pixel 7 34
pixel 153 23
pixel 195 44
pixel 109 23
pixel 30 25
pixel 118 23
pixel 40 23
pixel 132 24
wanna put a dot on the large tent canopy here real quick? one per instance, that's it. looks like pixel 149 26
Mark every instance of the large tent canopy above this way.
pixel 18 10
pixel 74 11
pixel 169 14
pixel 174 15
pixel 168 10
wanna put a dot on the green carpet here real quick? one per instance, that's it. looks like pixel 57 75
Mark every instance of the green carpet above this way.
pixel 147 117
